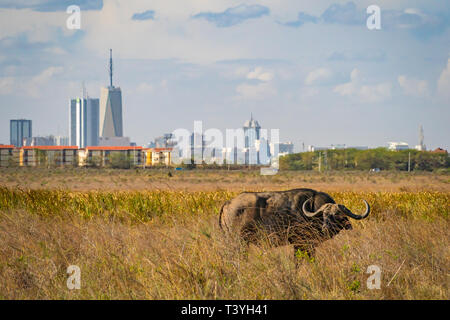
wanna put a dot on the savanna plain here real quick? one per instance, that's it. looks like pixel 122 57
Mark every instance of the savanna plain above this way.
pixel 154 234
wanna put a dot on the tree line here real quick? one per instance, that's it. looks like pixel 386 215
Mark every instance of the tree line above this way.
pixel 353 159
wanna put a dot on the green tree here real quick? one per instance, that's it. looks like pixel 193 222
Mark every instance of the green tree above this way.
pixel 119 160
pixel 366 160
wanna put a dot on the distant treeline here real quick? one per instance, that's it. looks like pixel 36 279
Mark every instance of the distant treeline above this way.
pixel 353 159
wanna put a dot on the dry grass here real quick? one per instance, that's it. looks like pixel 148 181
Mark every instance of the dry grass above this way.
pixel 167 245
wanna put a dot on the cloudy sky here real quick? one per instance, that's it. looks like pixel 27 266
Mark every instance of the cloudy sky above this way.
pixel 310 68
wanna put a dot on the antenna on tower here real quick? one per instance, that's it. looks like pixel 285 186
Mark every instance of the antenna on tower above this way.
pixel 83 90
pixel 110 68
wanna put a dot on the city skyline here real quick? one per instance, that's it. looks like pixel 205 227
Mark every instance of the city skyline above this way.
pixel 312 70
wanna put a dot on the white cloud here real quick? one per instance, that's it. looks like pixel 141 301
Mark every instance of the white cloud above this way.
pixel 318 75
pixel 444 82
pixel 364 93
pixel 308 92
pixel 174 36
pixel 375 93
pixel 46 75
pixel 56 50
pixel 10 70
pixel 145 88
pixel 349 88
pixel 6 85
pixel 256 92
pixel 259 74
pixel 413 87
pixel 39 26
pixel 34 87
pixel 238 72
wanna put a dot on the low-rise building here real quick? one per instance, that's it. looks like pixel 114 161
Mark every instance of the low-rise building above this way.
pixel 9 156
pixel 48 156
pixel 105 155
pixel 283 148
pixel 158 156
pixel 439 150
pixel 398 146
pixel 336 147
pixel 312 148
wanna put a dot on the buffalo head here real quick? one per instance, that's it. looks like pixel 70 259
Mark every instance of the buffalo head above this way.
pixel 335 216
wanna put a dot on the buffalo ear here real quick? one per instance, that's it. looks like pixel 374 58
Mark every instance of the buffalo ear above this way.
pixel 261 202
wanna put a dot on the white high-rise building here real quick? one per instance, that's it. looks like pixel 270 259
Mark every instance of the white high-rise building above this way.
pixel 421 146
pixel 111 112
pixel 251 132
pixel 111 109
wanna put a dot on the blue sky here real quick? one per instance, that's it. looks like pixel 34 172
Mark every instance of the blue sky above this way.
pixel 310 68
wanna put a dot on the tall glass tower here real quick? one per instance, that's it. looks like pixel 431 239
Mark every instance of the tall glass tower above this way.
pixel 84 121
pixel 19 129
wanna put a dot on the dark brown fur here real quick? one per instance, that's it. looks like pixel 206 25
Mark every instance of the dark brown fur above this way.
pixel 278 217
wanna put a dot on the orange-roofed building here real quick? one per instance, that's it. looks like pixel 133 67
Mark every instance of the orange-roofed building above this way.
pixel 99 156
pixel 124 148
pixel 9 155
pixel 51 147
pixel 49 156
pixel 439 150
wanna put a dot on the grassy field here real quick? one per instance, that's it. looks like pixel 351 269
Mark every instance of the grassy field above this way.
pixel 87 179
pixel 137 242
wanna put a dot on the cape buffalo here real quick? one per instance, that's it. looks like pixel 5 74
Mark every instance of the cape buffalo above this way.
pixel 302 217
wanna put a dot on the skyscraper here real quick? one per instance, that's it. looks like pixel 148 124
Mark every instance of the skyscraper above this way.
pixel 421 146
pixel 251 132
pixel 19 129
pixel 252 137
pixel 84 121
pixel 111 108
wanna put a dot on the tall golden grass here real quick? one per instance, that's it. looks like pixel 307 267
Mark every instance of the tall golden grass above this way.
pixel 167 245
